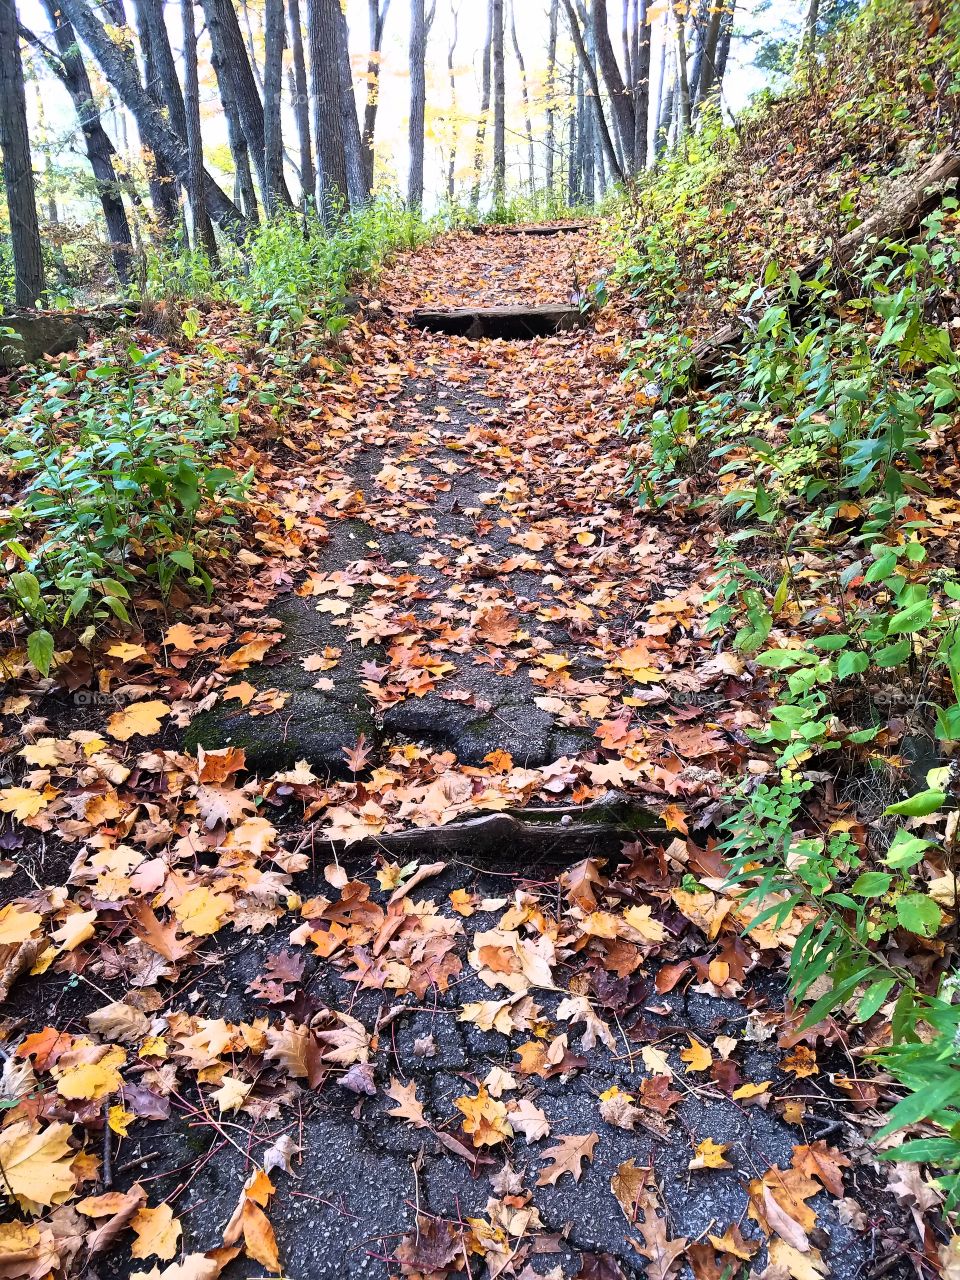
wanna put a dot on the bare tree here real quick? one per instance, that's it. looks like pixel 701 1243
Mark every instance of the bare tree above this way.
pixel 621 99
pixel 273 101
pixel 452 79
pixel 552 91
pixel 808 41
pixel 202 230
pixel 481 134
pixel 163 191
pixel 301 102
pixel 17 164
pixel 68 66
pixel 378 17
pixel 357 185
pixel 499 105
pixel 706 79
pixel 590 73
pixel 640 71
pixel 117 65
pixel 527 123
pixel 683 84
pixel 227 40
pixel 420 23
pixel 244 193
pixel 327 37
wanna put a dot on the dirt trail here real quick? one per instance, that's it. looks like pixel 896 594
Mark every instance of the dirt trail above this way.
pixel 474 615
pixel 486 585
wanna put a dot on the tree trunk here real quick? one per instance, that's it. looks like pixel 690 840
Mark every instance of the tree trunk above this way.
pixel 621 101
pixel 230 50
pixel 527 122
pixel 203 236
pixel 163 193
pixel 418 101
pixel 551 91
pixel 499 106
pixel 322 27
pixel 594 84
pixel 667 94
pixel 244 191
pixel 452 78
pixel 808 42
pixel 116 64
pixel 72 72
pixel 378 18
pixel 301 104
pixel 166 93
pixel 683 85
pixel 481 135
pixel 641 81
pixel 17 164
pixel 357 186
pixel 707 71
pixel 273 101
pixel 168 96
pixel 576 120
pixel 627 44
pixel 698 22
pixel 726 38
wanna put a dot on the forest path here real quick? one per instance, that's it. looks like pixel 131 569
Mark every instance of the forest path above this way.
pixel 455 1068
pixel 486 584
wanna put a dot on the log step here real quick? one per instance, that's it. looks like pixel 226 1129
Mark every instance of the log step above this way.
pixel 528 229
pixel 501 322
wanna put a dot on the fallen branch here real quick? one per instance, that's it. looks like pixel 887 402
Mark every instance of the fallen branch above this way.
pixel 905 207
pixel 518 838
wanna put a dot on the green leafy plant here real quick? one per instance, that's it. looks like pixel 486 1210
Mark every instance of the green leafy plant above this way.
pixel 122 483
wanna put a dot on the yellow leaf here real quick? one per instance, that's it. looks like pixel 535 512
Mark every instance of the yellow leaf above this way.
pixel 158 1232
pixel 126 652
pixel 89 1081
pixel 17 924
pixel 462 902
pixel 153 1047
pixel 485 1118
pixel 180 637
pixel 258 1238
pixel 698 1056
pixel 639 918
pixel 751 1090
pixel 44 753
pixel 36 1163
pixel 709 1155
pixel 120 1120
pixel 17 1237
pixel 139 718
pixel 232 1094
pixel 75 929
pixel 24 802
pixel 201 912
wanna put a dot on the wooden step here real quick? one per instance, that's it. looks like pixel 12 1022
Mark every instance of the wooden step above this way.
pixel 528 229
pixel 501 322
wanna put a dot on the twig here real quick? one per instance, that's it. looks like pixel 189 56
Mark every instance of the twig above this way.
pixel 107 1147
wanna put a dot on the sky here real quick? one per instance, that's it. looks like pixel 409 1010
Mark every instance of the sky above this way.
pixel 52 116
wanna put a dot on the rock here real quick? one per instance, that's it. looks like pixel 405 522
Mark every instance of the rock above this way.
pixel 39 333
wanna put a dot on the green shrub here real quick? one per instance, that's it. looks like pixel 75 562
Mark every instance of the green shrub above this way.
pixel 121 484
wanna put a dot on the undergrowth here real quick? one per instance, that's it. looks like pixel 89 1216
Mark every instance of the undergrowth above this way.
pixel 824 451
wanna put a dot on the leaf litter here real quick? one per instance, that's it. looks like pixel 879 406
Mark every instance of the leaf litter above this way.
pixel 197 972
